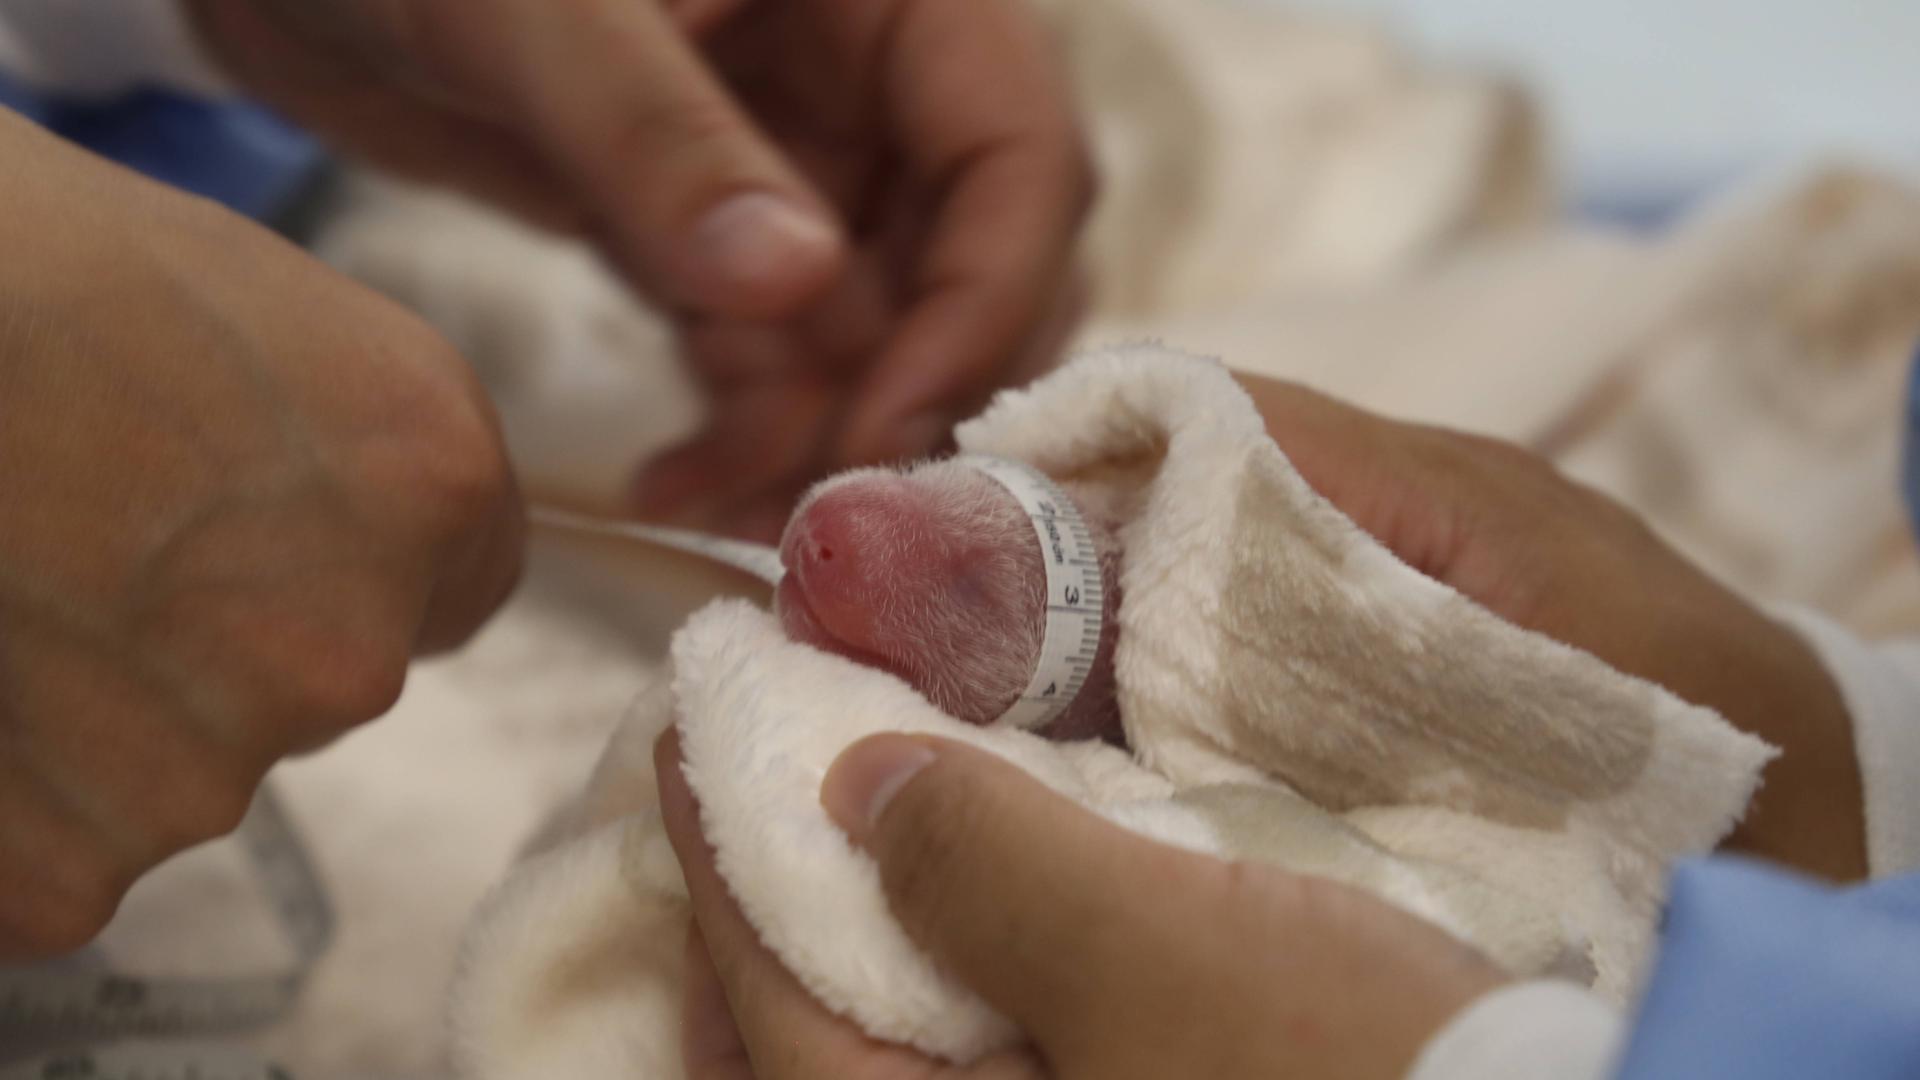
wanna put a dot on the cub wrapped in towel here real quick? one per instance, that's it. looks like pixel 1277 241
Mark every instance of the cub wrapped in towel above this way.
pixel 1290 692
pixel 934 574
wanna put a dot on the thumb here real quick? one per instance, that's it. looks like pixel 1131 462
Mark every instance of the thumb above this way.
pixel 690 196
pixel 1057 918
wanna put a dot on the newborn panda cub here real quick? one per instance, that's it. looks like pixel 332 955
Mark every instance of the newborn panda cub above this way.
pixel 934 574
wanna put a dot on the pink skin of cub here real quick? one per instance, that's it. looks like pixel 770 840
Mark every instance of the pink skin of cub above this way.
pixel 934 574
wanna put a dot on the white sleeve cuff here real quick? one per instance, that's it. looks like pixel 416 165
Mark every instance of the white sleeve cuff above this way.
pixel 1881 686
pixel 98 48
pixel 1540 1030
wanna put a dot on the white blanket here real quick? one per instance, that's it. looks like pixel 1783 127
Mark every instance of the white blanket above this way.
pixel 1291 692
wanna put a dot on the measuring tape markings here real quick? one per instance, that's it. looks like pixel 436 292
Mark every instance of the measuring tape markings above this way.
pixel 1076 598
pixel 51 1006
pixel 147 1061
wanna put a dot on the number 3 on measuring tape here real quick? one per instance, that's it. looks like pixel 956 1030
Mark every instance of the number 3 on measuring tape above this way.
pixel 1067 553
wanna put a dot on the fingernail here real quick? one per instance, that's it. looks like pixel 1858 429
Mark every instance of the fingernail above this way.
pixel 867 776
pixel 763 242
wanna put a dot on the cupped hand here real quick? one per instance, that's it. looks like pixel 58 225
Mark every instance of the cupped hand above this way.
pixel 1118 957
pixel 237 493
pixel 1509 531
pixel 863 214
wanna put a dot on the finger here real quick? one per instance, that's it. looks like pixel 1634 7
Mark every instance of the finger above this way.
pixel 846 328
pixel 725 354
pixel 759 439
pixel 1319 434
pixel 59 883
pixel 763 519
pixel 469 156
pixel 698 18
pixel 693 201
pixel 1018 892
pixel 478 576
pixel 1122 957
pixel 1048 345
pixel 761 993
pixel 710 1043
pixel 1014 184
pixel 1391 478
pixel 360 108
pixel 837 335
pixel 785 1031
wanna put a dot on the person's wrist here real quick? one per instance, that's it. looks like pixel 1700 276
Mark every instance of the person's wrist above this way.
pixel 1809 814
pixel 1714 649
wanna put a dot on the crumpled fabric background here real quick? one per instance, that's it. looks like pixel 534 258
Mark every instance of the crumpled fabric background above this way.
pixel 1735 379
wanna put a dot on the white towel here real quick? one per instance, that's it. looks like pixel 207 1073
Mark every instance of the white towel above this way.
pixel 1291 692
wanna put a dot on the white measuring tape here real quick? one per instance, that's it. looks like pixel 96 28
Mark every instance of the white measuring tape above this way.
pixel 1076 599
pixel 759 560
pixel 52 1011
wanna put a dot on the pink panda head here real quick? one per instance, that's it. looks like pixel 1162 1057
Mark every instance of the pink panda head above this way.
pixel 933 574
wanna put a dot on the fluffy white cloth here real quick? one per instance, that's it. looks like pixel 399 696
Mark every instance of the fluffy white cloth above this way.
pixel 1291 692
pixel 1535 1029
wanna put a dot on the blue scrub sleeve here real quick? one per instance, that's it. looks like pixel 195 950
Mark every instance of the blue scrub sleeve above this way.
pixel 1763 975
pixel 233 152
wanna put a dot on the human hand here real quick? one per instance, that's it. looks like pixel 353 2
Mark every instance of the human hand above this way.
pixel 239 493
pixel 1117 956
pixel 1506 529
pixel 862 214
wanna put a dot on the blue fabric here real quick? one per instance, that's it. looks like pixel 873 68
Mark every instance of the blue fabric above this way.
pixel 1910 458
pixel 232 152
pixel 1764 975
